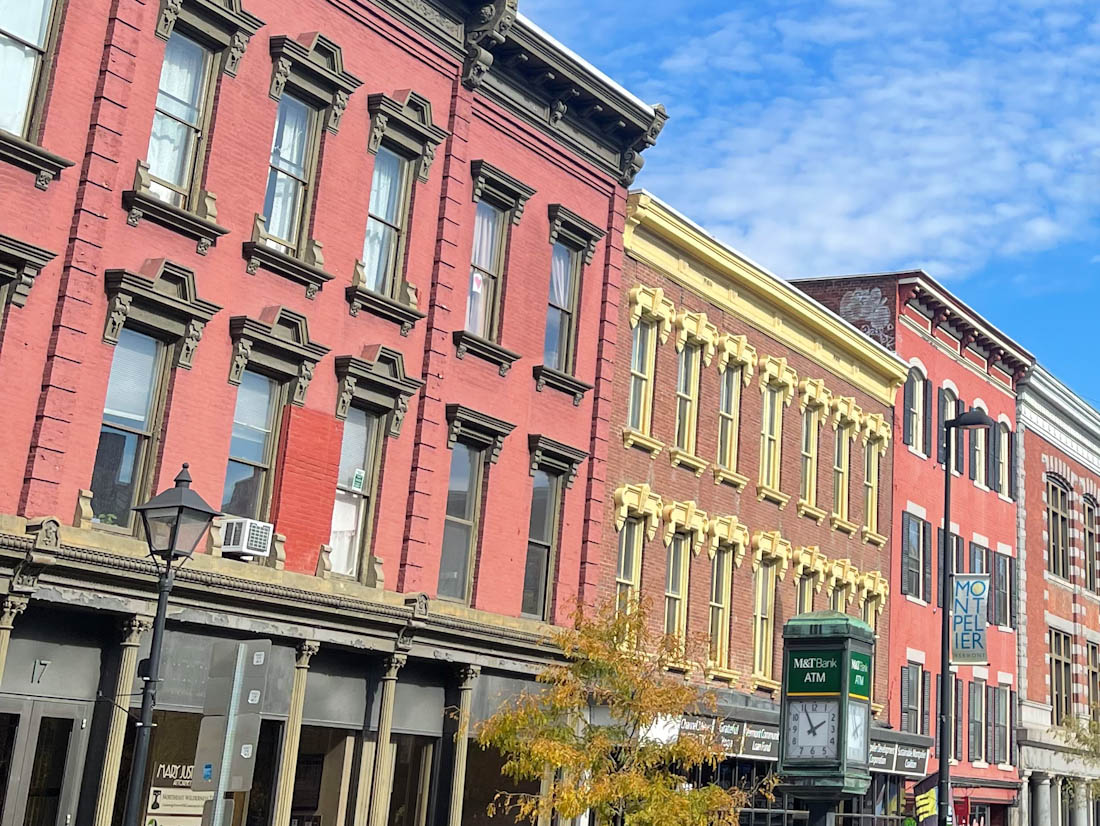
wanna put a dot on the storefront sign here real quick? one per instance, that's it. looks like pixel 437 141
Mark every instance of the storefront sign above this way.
pixel 175 806
pixel 696 724
pixel 912 760
pixel 731 734
pixel 968 619
pixel 761 742
pixel 883 757
pixel 755 741
pixel 815 672
pixel 859 676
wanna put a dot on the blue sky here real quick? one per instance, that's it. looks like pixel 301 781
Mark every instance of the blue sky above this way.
pixel 836 136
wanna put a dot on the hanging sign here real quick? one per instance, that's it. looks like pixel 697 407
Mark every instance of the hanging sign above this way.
pixel 968 619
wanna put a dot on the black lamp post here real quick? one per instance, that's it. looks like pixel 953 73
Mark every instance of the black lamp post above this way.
pixel 970 420
pixel 174 522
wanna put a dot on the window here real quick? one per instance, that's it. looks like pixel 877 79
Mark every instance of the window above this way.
pixel 957 712
pixel 460 523
pixel 842 463
pixel 628 570
pixel 1094 681
pixel 642 355
pixel 999 715
pixel 721 573
pixel 958 553
pixel 1057 527
pixel 252 447
pixel 810 440
pixel 771 436
pixel 486 268
pixel 412 758
pixel 383 247
pixel 914 708
pixel 950 407
pixel 977 721
pixel 870 613
pixel 676 585
pixel 1061 676
pixel 839 598
pixel 179 123
pixel 687 397
pixel 916 539
pixel 807 584
pixel 871 455
pixel 537 575
pixel 729 415
pixel 360 456
pixel 1001 456
pixel 24 36
pixel 999 610
pixel 558 343
pixel 916 426
pixel 763 640
pixel 290 173
pixel 979 459
pixel 1089 518
pixel 123 462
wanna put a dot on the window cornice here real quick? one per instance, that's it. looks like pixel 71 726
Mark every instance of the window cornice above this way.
pixel 638 501
pixel 876 429
pixel 315 69
pixel 873 586
pixel 20 264
pixel 555 457
pixel 694 329
pixel 737 351
pixel 685 518
pixel 376 380
pixel 775 372
pixel 812 393
pixel 847 413
pixel 809 560
pixel 226 23
pixel 650 304
pixel 477 429
pixel 843 574
pixel 163 299
pixel 497 187
pixel 770 548
pixel 277 343
pixel 407 124
pixel 569 228
pixel 727 532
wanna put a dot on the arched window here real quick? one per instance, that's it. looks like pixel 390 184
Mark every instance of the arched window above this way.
pixel 980 454
pixel 916 415
pixel 1089 519
pixel 950 406
pixel 1057 527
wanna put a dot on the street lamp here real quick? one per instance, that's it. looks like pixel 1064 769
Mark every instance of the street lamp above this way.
pixel 970 420
pixel 174 522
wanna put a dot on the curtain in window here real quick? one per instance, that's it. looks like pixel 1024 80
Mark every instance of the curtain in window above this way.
pixel 380 245
pixel 557 316
pixel 488 221
pixel 286 180
pixel 28 22
pixel 179 101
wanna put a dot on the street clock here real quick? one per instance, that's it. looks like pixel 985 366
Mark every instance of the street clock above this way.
pixel 826 705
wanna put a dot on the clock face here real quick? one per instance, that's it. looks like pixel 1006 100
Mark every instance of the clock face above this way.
pixel 857 733
pixel 812 729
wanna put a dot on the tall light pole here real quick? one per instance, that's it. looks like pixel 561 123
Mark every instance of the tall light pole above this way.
pixel 174 522
pixel 970 420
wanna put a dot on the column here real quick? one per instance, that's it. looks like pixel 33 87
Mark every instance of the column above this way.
pixel 1080 811
pixel 1055 801
pixel 1040 800
pixel 10 608
pixel 467 675
pixel 288 761
pixel 132 628
pixel 383 771
pixel 1022 811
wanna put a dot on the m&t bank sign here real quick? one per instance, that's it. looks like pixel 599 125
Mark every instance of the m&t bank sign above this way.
pixel 968 619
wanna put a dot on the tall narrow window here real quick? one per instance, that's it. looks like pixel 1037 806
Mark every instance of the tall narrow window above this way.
pixel 383 247
pixel 460 523
pixel 1057 528
pixel 486 267
pixel 772 431
pixel 808 492
pixel 1001 594
pixel 915 427
pixel 24 34
pixel 870 613
pixel 687 397
pixel 729 415
pixel 807 584
pixel 1089 518
pixel 1004 448
pixel 175 144
pixel 1061 676
pixel 871 455
pixel 911 695
pixel 979 459
pixel 721 572
pixel 628 569
pixel 763 639
pixel 360 454
pixel 676 586
pixel 839 600
pixel 976 749
pixel 290 173
pixel 842 465
pixel 121 473
pixel 1094 682
pixel 252 447
pixel 561 309
pixel 1000 725
pixel 642 354
pixel 949 410
pixel 537 575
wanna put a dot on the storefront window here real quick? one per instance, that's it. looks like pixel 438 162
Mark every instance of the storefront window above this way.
pixel 483 780
pixel 412 779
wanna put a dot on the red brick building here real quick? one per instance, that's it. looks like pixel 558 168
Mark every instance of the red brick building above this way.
pixel 748 476
pixel 957 361
pixel 358 265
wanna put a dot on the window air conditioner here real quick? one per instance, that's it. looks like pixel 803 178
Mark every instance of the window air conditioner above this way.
pixel 246 538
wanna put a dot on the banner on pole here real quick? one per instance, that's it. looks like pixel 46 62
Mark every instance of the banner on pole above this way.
pixel 968 619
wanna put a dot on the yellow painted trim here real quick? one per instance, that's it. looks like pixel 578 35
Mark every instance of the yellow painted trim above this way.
pixel 769 494
pixel 689 460
pixel 638 501
pixel 686 518
pixel 650 303
pixel 811 511
pixel 729 532
pixel 723 475
pixel 643 441
pixel 660 237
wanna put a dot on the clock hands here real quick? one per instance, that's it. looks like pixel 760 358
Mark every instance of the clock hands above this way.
pixel 813 728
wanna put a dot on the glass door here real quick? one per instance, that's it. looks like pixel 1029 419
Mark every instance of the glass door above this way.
pixel 42 746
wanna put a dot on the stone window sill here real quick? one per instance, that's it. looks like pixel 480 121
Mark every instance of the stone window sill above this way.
pixel 682 458
pixel 360 298
pixel 143 205
pixel 841 524
pixel 258 254
pixel 810 511
pixel 770 494
pixel 725 476
pixel 642 441
pixel 916 600
pixel 762 683
pixel 872 538
pixel 45 165
pixel 725 675
pixel 467 342
pixel 570 385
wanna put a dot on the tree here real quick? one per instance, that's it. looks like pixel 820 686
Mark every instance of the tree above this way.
pixel 596 731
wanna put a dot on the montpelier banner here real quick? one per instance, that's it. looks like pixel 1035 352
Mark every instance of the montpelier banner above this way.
pixel 968 618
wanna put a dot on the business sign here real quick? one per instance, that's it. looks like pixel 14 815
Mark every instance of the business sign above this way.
pixel 894 758
pixel 859 676
pixel 815 672
pixel 968 619
pixel 756 741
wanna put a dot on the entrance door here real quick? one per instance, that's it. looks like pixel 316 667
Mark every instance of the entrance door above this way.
pixel 42 746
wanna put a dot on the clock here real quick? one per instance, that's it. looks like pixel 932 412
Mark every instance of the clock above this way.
pixel 812 729
pixel 857 733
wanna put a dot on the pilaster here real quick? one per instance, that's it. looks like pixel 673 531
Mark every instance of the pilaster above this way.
pixel 383 771
pixel 467 676
pixel 11 607
pixel 288 761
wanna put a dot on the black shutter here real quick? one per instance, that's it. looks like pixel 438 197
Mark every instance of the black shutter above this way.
pixel 941 444
pixel 939 571
pixel 990 731
pixel 992 451
pixel 927 418
pixel 1012 728
pixel 974 728
pixel 973 453
pixel 927 540
pixel 960 459
pixel 1012 573
pixel 926 705
pixel 936 734
pixel 975 562
pixel 991 599
pixel 906 414
pixel 905 722
pixel 1012 465
pixel 906 551
pixel 958 753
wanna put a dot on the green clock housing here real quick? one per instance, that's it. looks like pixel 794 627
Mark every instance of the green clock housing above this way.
pixel 825 713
